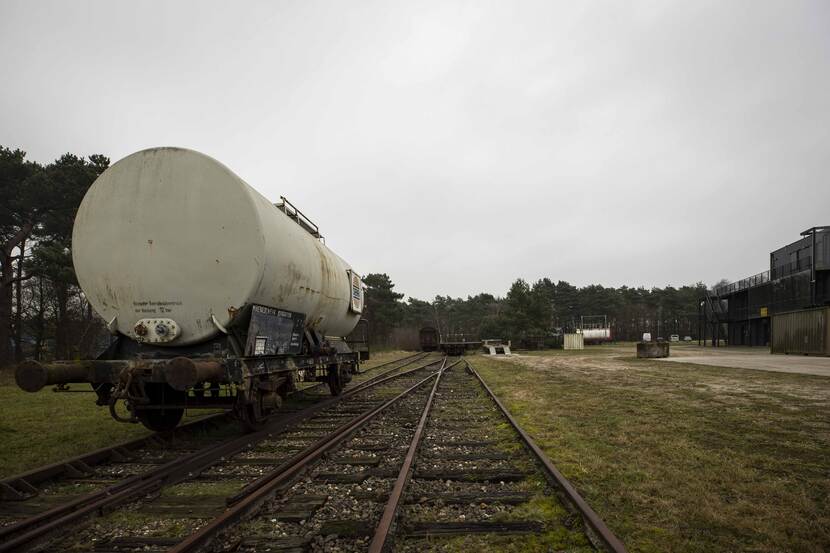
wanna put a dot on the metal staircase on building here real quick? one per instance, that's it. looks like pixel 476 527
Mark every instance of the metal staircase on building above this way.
pixel 715 316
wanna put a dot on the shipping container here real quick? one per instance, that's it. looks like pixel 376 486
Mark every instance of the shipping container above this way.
pixel 574 341
pixel 802 332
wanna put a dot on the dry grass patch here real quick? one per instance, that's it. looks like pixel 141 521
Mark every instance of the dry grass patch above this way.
pixel 681 457
pixel 45 427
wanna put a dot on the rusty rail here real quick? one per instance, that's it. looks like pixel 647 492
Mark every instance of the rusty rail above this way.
pixel 20 486
pixel 37 527
pixel 409 359
pixel 286 472
pixel 391 507
pixel 15 487
pixel 597 526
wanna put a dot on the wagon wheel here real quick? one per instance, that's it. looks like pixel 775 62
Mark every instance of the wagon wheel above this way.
pixel 254 415
pixel 336 379
pixel 347 370
pixel 250 416
pixel 161 420
pixel 250 413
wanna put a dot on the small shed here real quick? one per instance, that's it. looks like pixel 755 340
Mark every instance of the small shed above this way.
pixel 574 341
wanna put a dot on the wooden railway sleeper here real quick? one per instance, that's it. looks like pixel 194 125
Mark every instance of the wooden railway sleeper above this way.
pixel 19 490
pixel 77 469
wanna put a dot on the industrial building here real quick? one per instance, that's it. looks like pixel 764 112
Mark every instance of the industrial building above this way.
pixel 784 307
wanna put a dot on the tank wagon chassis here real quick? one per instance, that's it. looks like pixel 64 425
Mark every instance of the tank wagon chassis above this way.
pixel 249 368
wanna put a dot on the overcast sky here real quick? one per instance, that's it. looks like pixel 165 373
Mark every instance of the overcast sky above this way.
pixel 457 146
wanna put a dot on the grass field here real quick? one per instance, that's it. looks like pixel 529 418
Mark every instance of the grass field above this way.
pixel 45 427
pixel 681 457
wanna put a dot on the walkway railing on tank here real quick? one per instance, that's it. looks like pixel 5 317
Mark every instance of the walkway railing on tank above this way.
pixel 301 219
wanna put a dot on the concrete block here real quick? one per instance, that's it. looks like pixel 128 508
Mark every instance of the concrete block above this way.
pixel 650 350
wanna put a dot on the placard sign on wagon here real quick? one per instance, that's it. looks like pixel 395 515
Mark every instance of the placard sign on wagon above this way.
pixel 274 331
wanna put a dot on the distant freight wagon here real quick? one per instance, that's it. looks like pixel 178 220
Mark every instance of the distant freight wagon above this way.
pixel 429 338
pixel 595 329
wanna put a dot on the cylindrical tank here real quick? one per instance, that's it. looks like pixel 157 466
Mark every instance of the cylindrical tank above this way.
pixel 170 233
pixel 597 334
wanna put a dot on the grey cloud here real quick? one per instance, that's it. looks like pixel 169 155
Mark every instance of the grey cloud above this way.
pixel 459 145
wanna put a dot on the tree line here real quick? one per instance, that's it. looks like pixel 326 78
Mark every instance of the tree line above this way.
pixel 531 313
pixel 44 314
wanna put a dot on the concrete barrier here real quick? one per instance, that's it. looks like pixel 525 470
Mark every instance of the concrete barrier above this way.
pixel 650 350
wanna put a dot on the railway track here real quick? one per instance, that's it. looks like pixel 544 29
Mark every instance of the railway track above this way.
pixel 443 468
pixel 18 489
pixel 46 500
pixel 424 458
pixel 464 479
pixel 320 389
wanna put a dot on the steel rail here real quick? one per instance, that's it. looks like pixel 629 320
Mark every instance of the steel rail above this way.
pixel 422 354
pixel 408 358
pixel 391 508
pixel 16 487
pixel 27 479
pixel 591 518
pixel 372 380
pixel 283 474
pixel 38 526
pixel 241 494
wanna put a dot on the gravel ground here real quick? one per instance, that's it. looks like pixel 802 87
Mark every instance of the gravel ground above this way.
pixel 278 444
pixel 69 488
pixel 262 454
pixel 127 522
pixel 465 465
pixel 121 470
pixel 347 502
pixel 423 489
pixel 5 521
pixel 437 512
pixel 235 471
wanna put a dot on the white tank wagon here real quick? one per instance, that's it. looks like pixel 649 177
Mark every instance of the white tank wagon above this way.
pixel 596 335
pixel 595 329
pixel 216 296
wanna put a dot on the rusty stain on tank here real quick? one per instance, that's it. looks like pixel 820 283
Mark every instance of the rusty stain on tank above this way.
pixel 110 292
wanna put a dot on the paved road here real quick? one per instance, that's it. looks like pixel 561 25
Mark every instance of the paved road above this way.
pixel 751 358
